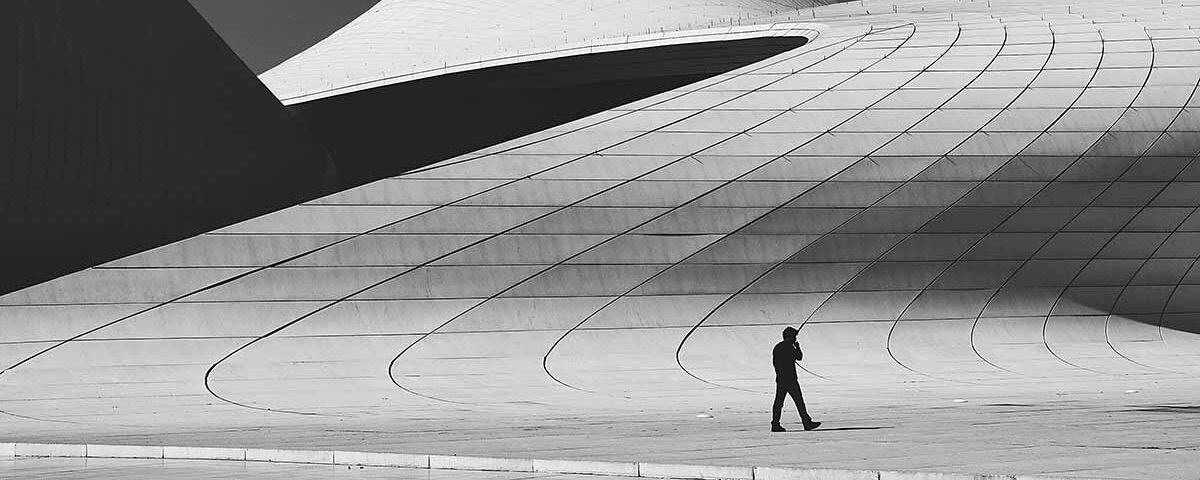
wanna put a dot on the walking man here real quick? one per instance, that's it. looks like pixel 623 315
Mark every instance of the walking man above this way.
pixel 784 356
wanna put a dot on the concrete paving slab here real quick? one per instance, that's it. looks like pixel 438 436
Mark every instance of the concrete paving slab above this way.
pixel 887 475
pixel 204 453
pixel 456 462
pixel 289 456
pixel 784 473
pixel 123 451
pixel 714 472
pixel 50 450
pixel 621 469
pixel 381 459
pixel 89 468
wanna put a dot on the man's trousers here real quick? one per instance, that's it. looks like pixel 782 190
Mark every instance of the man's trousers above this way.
pixel 792 388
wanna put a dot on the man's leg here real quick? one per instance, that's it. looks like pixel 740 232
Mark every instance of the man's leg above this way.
pixel 794 391
pixel 777 407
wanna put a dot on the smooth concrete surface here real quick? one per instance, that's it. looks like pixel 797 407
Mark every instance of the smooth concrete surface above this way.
pixel 204 453
pixel 125 451
pixel 776 473
pixel 89 468
pixel 667 470
pixel 981 216
pixel 620 469
pixel 455 462
pixel 399 460
pixel 289 456
pixel 49 450
pixel 483 464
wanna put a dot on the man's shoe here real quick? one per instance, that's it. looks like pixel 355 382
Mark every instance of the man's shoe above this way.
pixel 775 427
pixel 811 426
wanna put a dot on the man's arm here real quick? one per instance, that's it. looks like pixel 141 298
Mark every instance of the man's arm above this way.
pixel 799 353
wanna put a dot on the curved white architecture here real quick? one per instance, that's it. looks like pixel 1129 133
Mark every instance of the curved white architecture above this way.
pixel 981 215
pixel 399 40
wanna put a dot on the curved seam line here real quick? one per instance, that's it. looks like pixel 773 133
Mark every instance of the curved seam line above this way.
pixel 1166 185
pixel 208 373
pixel 629 112
pixel 627 293
pixel 1078 158
pixel 694 328
pixel 431 209
pixel 545 357
pixel 1065 288
pixel 395 360
pixel 1178 283
pixel 391 224
pixel 862 209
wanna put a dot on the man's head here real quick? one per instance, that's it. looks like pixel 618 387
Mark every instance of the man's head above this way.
pixel 789 334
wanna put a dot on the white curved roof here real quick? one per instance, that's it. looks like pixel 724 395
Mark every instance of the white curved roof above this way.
pixel 401 37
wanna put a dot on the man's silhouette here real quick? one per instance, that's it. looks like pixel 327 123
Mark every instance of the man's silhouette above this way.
pixel 784 356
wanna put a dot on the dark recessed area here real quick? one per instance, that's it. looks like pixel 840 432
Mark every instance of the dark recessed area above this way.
pixel 386 131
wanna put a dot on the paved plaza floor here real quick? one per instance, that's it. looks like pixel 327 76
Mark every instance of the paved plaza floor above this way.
pixel 107 468
pixel 1125 430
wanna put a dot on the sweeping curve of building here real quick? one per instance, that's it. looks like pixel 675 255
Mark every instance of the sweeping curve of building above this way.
pixel 399 40
pixel 947 198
